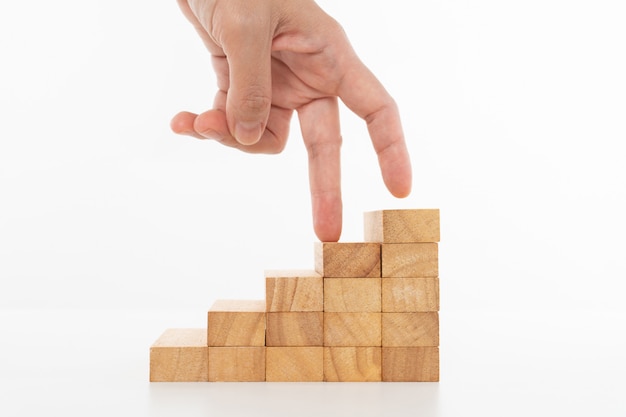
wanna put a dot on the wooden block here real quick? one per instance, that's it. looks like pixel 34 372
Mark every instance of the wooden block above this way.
pixel 347 260
pixel 352 294
pixel 410 329
pixel 409 260
pixel 352 329
pixel 411 364
pixel 180 355
pixel 294 364
pixel 295 328
pixel 352 364
pixel 402 226
pixel 237 364
pixel 237 323
pixel 294 290
pixel 401 295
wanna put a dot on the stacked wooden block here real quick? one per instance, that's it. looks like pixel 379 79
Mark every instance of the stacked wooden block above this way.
pixel 368 312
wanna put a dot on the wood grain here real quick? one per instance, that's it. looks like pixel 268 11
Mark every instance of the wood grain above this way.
pixel 402 295
pixel 352 364
pixel 410 364
pixel 410 329
pixel 294 290
pixel 180 355
pixel 402 226
pixel 294 364
pixel 410 260
pixel 237 364
pixel 352 294
pixel 236 323
pixel 352 329
pixel 295 328
pixel 347 260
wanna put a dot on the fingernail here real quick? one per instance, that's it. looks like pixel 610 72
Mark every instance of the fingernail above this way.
pixel 248 133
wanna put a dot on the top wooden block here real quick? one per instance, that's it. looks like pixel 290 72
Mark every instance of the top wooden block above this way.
pixel 402 226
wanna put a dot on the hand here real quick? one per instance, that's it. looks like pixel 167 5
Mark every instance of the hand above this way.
pixel 272 57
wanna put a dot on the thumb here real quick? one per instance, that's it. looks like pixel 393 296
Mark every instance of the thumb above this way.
pixel 247 46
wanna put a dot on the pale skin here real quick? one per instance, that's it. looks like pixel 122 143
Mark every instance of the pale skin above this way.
pixel 274 57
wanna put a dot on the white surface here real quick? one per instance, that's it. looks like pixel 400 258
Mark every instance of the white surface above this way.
pixel 95 362
pixel 514 117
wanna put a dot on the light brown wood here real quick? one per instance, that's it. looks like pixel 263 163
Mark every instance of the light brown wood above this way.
pixel 401 295
pixel 352 364
pixel 236 323
pixel 411 364
pixel 180 355
pixel 347 260
pixel 352 294
pixel 237 364
pixel 294 364
pixel 294 290
pixel 352 329
pixel 402 226
pixel 410 260
pixel 295 328
pixel 410 329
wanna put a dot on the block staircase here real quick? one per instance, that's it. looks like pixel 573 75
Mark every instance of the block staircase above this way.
pixel 367 312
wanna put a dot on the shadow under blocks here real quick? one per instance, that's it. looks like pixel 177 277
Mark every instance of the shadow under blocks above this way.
pixel 368 311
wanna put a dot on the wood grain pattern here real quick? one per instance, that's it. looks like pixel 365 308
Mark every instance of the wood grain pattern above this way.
pixel 352 294
pixel 401 295
pixel 237 364
pixel 294 364
pixel 236 323
pixel 352 329
pixel 295 328
pixel 410 329
pixel 410 364
pixel 352 364
pixel 410 260
pixel 294 290
pixel 347 260
pixel 402 226
pixel 180 355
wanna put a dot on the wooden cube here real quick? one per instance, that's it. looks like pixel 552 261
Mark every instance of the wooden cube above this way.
pixel 409 260
pixel 237 364
pixel 294 290
pixel 236 323
pixel 352 364
pixel 352 329
pixel 347 260
pixel 411 364
pixel 402 226
pixel 410 329
pixel 295 328
pixel 180 355
pixel 294 364
pixel 401 295
pixel 352 294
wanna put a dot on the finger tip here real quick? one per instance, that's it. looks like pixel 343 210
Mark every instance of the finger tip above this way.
pixel 402 192
pixel 328 236
pixel 248 133
pixel 182 123
pixel 328 229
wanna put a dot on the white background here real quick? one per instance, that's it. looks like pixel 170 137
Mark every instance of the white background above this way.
pixel 514 113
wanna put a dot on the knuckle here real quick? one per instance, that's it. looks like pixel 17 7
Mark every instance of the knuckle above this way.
pixel 255 102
